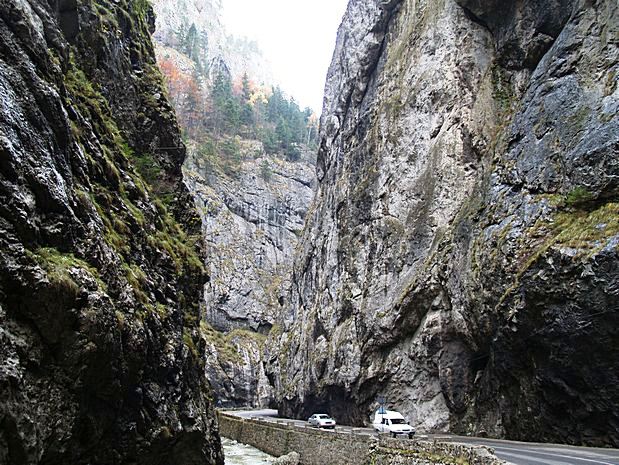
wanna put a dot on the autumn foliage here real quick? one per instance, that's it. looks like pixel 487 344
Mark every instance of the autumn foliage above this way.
pixel 214 111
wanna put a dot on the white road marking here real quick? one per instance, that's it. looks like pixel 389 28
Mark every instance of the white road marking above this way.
pixel 574 457
pixel 588 451
pixel 531 460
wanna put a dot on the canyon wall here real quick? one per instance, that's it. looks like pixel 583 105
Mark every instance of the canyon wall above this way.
pixel 252 188
pixel 251 222
pixel 461 257
pixel 101 271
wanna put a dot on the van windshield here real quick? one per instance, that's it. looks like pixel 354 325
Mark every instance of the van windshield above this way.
pixel 398 421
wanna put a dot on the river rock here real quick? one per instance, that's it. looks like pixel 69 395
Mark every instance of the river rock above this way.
pixel 288 459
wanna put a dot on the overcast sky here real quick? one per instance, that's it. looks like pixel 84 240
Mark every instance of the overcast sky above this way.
pixel 296 36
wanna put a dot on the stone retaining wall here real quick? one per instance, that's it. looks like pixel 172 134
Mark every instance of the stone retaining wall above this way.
pixel 318 447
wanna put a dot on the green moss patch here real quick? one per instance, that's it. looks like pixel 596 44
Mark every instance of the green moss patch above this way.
pixel 58 266
pixel 189 342
pixel 122 185
pixel 226 349
pixel 579 197
pixel 587 230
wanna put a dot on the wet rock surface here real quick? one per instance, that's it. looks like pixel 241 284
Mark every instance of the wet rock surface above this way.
pixel 288 459
pixel 461 255
pixel 99 280
pixel 241 454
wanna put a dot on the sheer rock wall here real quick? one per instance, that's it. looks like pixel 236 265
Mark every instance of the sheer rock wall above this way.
pixel 461 255
pixel 99 282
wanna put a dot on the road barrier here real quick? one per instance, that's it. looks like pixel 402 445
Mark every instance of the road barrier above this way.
pixel 317 447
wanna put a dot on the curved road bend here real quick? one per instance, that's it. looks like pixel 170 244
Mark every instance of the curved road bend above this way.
pixel 519 453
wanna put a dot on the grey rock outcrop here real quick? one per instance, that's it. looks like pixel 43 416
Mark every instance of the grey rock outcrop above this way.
pixel 235 368
pixel 461 255
pixel 288 459
pixel 99 285
pixel 251 222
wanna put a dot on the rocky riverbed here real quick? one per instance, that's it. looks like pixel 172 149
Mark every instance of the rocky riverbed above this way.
pixel 241 454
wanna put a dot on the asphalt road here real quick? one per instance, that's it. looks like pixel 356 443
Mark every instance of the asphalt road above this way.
pixel 519 453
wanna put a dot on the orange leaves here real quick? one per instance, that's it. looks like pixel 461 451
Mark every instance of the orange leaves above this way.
pixel 185 92
pixel 180 85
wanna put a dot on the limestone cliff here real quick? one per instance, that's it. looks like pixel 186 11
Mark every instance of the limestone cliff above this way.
pixel 251 222
pixel 461 257
pixel 253 176
pixel 196 28
pixel 100 276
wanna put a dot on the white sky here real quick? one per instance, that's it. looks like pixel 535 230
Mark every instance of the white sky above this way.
pixel 296 36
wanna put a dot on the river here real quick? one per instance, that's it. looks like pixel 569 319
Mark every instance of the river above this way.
pixel 240 454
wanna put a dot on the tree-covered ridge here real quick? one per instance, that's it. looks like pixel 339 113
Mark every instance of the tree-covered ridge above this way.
pixel 217 110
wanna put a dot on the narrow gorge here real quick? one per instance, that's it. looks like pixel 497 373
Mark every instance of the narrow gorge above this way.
pixel 252 190
pixel 178 235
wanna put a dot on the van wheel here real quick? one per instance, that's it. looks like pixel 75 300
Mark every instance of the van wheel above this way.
pixel 393 435
pixel 410 435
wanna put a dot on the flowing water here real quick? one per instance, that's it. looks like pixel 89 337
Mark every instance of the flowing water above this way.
pixel 240 454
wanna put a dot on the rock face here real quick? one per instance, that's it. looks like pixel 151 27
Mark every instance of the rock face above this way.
pixel 235 368
pixel 99 282
pixel 461 258
pixel 251 221
pixel 196 28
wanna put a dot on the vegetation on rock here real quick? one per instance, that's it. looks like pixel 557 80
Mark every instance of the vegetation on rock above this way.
pixel 101 270
pixel 215 112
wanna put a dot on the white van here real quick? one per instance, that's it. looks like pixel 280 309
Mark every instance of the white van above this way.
pixel 390 421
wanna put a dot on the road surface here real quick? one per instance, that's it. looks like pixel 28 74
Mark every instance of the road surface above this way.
pixel 518 453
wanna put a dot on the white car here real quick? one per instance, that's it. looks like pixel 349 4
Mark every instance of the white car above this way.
pixel 392 422
pixel 321 420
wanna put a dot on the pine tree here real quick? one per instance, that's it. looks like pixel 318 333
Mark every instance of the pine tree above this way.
pixel 219 95
pixel 203 43
pixel 191 41
pixel 181 36
pixel 247 118
pixel 226 107
pixel 276 106
pixel 232 115
pixel 245 88
pixel 269 141
pixel 247 111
